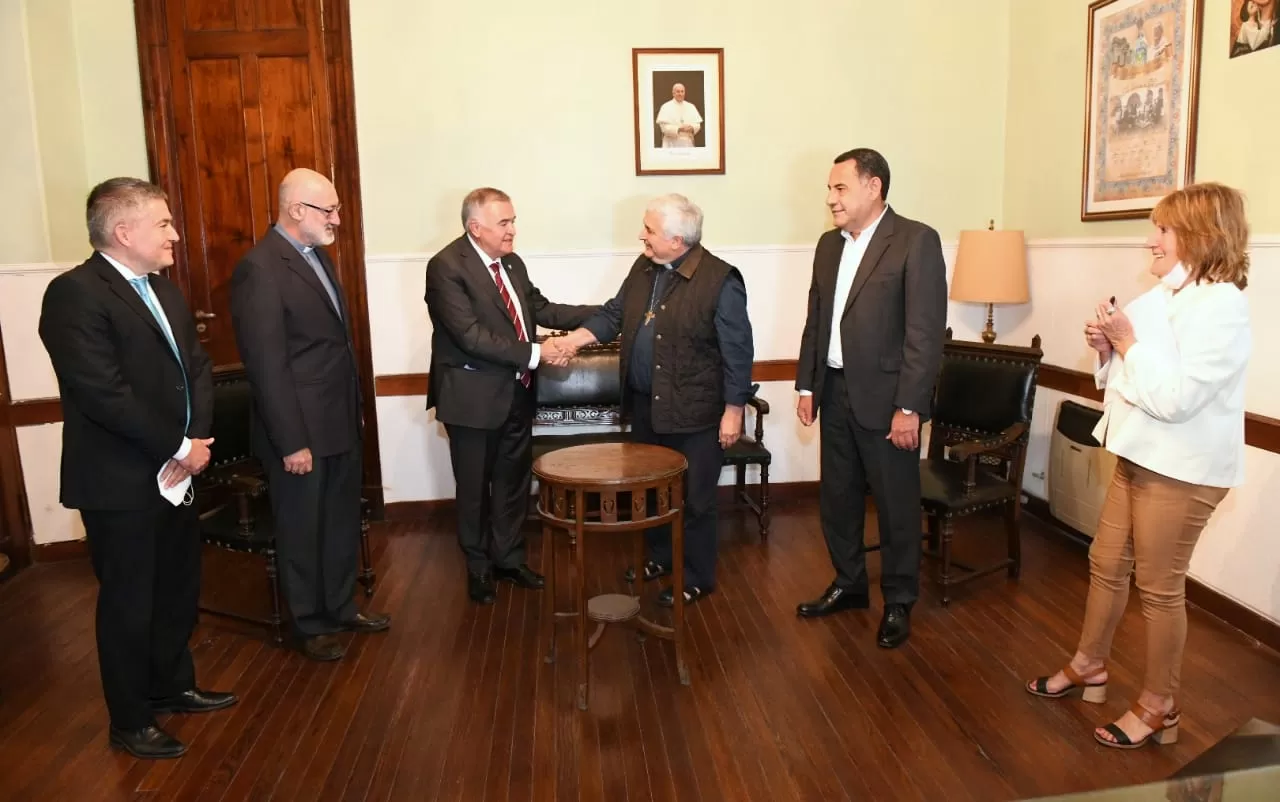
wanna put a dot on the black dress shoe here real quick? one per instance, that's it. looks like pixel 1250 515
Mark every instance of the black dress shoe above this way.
pixel 481 589
pixel 523 575
pixel 194 701
pixel 895 626
pixel 833 600
pixel 324 648
pixel 667 598
pixel 365 622
pixel 148 743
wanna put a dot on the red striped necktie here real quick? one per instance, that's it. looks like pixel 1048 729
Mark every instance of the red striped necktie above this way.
pixel 511 312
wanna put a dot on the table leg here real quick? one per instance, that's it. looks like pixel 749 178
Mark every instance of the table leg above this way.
pixel 549 591
pixel 580 584
pixel 637 583
pixel 677 593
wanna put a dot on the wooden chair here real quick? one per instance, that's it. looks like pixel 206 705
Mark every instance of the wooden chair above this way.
pixel 235 506
pixel 751 451
pixel 981 422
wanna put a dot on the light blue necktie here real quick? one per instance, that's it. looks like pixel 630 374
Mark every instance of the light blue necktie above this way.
pixel 143 289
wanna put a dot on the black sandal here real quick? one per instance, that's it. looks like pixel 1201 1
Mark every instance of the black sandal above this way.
pixel 652 571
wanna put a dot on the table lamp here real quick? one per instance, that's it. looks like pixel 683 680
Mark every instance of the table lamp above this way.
pixel 991 268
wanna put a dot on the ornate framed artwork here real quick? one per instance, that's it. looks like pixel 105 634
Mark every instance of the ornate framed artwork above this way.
pixel 1141 101
pixel 679 110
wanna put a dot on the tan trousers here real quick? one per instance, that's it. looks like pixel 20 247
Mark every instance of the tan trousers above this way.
pixel 1148 527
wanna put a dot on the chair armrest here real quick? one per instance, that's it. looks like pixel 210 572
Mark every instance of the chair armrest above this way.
pixel 972 448
pixel 251 486
pixel 761 406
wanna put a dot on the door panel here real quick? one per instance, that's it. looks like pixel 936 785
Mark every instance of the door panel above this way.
pixel 236 93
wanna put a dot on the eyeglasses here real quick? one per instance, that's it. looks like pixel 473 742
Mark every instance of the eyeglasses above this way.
pixel 334 209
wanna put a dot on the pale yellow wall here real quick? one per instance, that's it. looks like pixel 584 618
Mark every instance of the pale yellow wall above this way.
pixel 24 238
pixel 69 86
pixel 1238 121
pixel 536 98
pixel 55 84
pixel 110 91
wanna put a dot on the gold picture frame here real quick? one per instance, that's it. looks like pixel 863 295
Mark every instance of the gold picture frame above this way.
pixel 678 96
pixel 1142 89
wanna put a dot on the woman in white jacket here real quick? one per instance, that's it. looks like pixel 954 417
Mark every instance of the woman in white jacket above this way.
pixel 1173 365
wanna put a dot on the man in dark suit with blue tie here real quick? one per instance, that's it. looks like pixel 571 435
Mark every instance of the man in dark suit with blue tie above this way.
pixel 137 402
pixel 292 329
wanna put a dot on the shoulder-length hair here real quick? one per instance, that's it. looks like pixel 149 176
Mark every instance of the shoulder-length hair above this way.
pixel 1213 235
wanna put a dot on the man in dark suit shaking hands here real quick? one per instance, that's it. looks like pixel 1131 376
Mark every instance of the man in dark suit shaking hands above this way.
pixel 484 313
pixel 292 329
pixel 870 353
pixel 137 402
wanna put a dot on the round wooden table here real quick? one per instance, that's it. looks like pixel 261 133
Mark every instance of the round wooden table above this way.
pixel 603 488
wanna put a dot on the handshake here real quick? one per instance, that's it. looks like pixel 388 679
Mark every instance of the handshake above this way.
pixel 559 351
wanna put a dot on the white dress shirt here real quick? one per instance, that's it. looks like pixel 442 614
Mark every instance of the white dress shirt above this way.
pixel 1174 404
pixel 536 356
pixel 850 260
pixel 129 275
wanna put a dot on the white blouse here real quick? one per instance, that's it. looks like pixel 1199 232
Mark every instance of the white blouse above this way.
pixel 1174 404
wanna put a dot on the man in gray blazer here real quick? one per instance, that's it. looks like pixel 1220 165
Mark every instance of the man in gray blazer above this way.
pixel 484 314
pixel 869 356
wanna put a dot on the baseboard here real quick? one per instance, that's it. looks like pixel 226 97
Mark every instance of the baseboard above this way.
pixel 779 492
pixel 1232 612
pixel 59 551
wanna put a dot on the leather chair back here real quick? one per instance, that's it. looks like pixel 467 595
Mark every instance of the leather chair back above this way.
pixel 982 390
pixel 232 417
pixel 591 380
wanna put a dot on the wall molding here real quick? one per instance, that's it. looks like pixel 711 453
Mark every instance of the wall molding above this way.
pixel 1260 431
pixel 1233 613
pixel 34 268
pixel 60 550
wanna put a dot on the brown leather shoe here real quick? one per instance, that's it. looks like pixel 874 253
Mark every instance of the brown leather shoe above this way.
pixel 323 647
pixel 371 622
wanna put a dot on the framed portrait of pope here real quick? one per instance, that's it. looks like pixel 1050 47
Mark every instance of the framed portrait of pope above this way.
pixel 679 110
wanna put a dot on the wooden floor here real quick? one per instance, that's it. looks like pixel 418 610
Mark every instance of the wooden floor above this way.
pixel 455 702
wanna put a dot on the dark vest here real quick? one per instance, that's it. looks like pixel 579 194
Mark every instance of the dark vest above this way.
pixel 688 372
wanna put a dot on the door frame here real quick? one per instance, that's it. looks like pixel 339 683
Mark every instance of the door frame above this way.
pixel 13 500
pixel 343 167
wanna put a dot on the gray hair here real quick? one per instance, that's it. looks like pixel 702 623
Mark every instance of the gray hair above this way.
pixel 681 217
pixel 112 200
pixel 479 197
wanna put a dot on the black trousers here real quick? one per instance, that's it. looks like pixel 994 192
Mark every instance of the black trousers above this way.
pixel 852 458
pixel 317 517
pixel 148 567
pixel 702 451
pixel 493 471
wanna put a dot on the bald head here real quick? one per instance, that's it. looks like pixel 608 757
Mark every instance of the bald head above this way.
pixel 308 207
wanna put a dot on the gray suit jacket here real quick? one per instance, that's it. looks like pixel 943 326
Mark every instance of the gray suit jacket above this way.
pixel 475 352
pixel 892 326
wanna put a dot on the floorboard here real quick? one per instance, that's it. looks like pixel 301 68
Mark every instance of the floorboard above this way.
pixel 455 702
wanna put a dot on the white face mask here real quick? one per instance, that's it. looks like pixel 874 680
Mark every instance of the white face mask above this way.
pixel 1176 277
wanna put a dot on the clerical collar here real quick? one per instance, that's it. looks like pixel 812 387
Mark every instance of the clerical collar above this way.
pixel 298 246
pixel 675 263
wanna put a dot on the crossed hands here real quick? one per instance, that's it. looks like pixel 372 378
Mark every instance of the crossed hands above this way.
pixel 558 351
pixel 1110 330
pixel 176 471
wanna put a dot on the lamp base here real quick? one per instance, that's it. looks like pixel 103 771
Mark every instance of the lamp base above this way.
pixel 989 333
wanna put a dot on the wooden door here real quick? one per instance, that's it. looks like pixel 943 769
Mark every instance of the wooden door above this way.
pixel 236 93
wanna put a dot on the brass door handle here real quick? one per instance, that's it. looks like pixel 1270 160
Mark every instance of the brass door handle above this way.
pixel 203 315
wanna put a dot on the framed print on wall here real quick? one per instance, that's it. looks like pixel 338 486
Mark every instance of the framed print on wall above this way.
pixel 679 108
pixel 1141 101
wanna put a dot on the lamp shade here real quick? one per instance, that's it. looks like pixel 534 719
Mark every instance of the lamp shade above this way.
pixel 991 268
